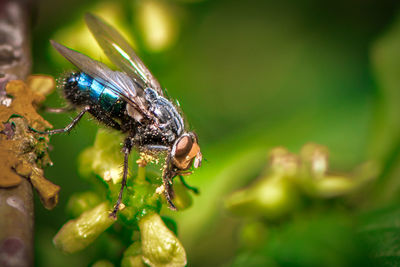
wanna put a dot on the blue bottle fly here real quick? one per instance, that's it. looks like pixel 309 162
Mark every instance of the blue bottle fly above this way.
pixel 132 101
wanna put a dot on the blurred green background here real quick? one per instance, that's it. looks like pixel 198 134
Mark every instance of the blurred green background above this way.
pixel 249 75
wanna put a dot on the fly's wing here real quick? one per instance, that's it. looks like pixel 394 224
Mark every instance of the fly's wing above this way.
pixel 121 53
pixel 119 82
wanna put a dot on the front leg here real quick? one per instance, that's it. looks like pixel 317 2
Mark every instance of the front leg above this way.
pixel 184 183
pixel 156 148
pixel 126 150
pixel 168 173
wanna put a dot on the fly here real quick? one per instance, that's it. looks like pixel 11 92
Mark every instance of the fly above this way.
pixel 131 101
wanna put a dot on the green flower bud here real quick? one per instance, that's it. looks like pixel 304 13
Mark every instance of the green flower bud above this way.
pixel 104 158
pixel 283 163
pixel 270 197
pixel 133 256
pixel 81 202
pixel 331 186
pixel 133 261
pixel 77 234
pixel 171 224
pixel 160 246
pixel 314 160
pixel 335 185
pixel 103 263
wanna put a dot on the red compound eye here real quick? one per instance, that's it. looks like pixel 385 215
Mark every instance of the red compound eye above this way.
pixel 183 146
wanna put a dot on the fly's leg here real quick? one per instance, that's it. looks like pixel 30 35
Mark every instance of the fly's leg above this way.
pixel 167 177
pixel 126 150
pixel 192 188
pixel 157 148
pixel 169 193
pixel 167 174
pixel 69 127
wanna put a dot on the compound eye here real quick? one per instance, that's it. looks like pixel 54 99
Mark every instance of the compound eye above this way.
pixel 183 146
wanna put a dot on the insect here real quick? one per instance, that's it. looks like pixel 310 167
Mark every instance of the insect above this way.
pixel 131 101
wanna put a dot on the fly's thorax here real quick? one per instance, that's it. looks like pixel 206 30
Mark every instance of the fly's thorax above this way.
pixel 167 118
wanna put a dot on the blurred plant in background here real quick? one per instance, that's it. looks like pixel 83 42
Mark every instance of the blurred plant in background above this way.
pixel 250 76
pixel 300 189
pixel 290 181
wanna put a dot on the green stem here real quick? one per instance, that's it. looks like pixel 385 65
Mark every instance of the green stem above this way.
pixel 141 177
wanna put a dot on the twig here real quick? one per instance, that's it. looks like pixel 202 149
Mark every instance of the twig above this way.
pixel 16 204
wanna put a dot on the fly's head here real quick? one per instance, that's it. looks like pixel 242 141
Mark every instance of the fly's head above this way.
pixel 186 151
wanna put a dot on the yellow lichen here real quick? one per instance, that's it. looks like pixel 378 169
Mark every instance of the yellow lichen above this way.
pixel 22 152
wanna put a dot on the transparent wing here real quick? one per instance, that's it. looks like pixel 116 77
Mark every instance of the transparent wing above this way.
pixel 121 53
pixel 118 81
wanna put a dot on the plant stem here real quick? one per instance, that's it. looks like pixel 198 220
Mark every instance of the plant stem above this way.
pixel 141 176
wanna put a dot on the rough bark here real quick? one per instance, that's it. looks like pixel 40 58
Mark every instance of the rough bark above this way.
pixel 16 204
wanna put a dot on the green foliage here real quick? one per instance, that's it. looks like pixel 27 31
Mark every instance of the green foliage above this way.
pixel 315 240
pixel 386 131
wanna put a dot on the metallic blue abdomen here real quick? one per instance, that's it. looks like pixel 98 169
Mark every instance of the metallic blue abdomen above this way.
pixel 81 89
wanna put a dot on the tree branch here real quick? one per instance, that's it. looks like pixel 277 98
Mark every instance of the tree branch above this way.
pixel 16 204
